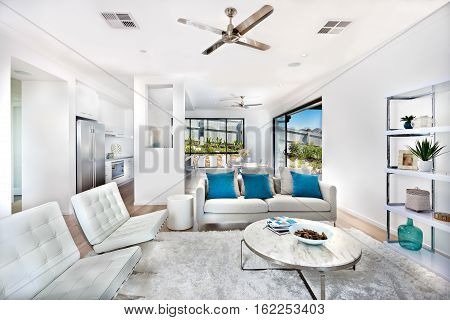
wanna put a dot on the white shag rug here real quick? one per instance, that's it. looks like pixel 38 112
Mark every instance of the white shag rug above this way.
pixel 206 265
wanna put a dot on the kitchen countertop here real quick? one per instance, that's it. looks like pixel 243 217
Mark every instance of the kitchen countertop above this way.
pixel 120 158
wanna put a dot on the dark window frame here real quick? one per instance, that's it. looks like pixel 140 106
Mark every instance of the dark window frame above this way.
pixel 226 134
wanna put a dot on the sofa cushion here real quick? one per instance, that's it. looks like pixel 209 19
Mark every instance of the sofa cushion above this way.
pixel 93 278
pixel 224 170
pixel 257 170
pixel 286 203
pixel 100 211
pixel 305 185
pixel 286 178
pixel 135 230
pixel 35 248
pixel 239 205
pixel 221 185
pixel 258 186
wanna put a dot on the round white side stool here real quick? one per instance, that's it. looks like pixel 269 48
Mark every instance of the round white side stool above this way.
pixel 180 212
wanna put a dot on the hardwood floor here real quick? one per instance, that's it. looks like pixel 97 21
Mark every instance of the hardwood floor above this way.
pixel 344 220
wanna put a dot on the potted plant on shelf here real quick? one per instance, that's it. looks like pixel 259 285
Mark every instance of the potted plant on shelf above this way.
pixel 408 121
pixel 425 151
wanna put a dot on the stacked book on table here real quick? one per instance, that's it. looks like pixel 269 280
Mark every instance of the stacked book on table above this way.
pixel 280 225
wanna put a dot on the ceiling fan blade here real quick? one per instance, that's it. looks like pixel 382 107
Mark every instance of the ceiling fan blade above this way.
pixel 244 41
pixel 213 47
pixel 228 99
pixel 200 26
pixel 253 105
pixel 246 25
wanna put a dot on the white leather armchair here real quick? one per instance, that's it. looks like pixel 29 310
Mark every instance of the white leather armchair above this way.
pixel 39 260
pixel 106 222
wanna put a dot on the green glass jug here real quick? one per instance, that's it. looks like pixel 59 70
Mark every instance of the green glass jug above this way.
pixel 409 236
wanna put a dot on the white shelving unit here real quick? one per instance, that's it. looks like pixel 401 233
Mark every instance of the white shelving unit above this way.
pixel 425 217
pixel 426 175
pixel 427 258
pixel 417 132
pixel 435 262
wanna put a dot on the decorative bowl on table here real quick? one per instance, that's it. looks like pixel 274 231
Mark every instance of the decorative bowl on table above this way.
pixel 313 234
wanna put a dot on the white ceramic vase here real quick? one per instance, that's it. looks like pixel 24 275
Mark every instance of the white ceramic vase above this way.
pixel 425 166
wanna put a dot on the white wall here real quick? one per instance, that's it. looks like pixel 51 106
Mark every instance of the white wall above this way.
pixel 16 118
pixel 354 117
pixel 258 129
pixel 158 172
pixel 46 143
pixel 5 133
pixel 126 143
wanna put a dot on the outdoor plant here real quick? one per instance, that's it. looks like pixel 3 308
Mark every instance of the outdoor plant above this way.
pixel 307 154
pixel 426 150
pixel 244 153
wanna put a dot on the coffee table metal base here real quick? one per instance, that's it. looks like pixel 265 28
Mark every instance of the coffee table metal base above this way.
pixel 308 287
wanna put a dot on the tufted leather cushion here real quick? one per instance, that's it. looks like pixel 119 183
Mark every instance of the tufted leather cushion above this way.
pixel 35 248
pixel 100 211
pixel 96 277
pixel 134 230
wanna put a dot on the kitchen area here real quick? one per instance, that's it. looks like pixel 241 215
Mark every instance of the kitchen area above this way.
pixel 104 140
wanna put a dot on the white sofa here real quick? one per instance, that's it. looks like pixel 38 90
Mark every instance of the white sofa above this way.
pixel 106 222
pixel 39 260
pixel 241 210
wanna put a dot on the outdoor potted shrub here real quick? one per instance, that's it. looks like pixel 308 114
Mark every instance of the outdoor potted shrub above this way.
pixel 408 121
pixel 425 151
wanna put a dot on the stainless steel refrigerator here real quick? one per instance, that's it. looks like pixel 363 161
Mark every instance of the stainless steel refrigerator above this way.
pixel 90 155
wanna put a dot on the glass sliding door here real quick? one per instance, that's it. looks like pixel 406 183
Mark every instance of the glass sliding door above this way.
pixel 298 138
pixel 304 139
pixel 279 125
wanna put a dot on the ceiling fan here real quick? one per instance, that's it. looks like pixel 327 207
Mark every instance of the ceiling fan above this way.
pixel 235 34
pixel 241 103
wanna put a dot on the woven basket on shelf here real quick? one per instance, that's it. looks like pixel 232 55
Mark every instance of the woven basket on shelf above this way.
pixel 417 200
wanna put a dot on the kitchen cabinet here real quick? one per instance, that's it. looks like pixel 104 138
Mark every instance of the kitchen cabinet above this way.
pixel 128 168
pixel 129 123
pixel 108 174
pixel 118 120
pixel 86 102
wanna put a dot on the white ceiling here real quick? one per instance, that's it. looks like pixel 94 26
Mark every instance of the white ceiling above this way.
pixel 174 49
pixel 26 72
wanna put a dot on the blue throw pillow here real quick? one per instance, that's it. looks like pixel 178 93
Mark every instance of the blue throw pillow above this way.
pixel 257 186
pixel 305 185
pixel 221 185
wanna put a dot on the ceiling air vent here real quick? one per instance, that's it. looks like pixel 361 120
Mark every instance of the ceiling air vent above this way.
pixel 334 27
pixel 119 20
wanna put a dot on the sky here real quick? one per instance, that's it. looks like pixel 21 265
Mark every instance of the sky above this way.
pixel 306 119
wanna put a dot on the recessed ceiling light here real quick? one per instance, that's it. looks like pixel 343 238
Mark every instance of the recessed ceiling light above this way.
pixel 294 64
pixel 23 73
pixel 143 51
pixel 304 55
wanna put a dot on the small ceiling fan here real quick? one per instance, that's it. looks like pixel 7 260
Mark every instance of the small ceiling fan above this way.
pixel 241 103
pixel 235 34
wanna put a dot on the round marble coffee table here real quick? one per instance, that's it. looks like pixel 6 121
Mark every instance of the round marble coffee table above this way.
pixel 339 252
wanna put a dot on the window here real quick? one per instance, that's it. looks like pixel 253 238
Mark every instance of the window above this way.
pixel 215 137
pixel 297 137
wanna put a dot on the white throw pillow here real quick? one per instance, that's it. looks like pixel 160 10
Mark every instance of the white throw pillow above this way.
pixel 268 171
